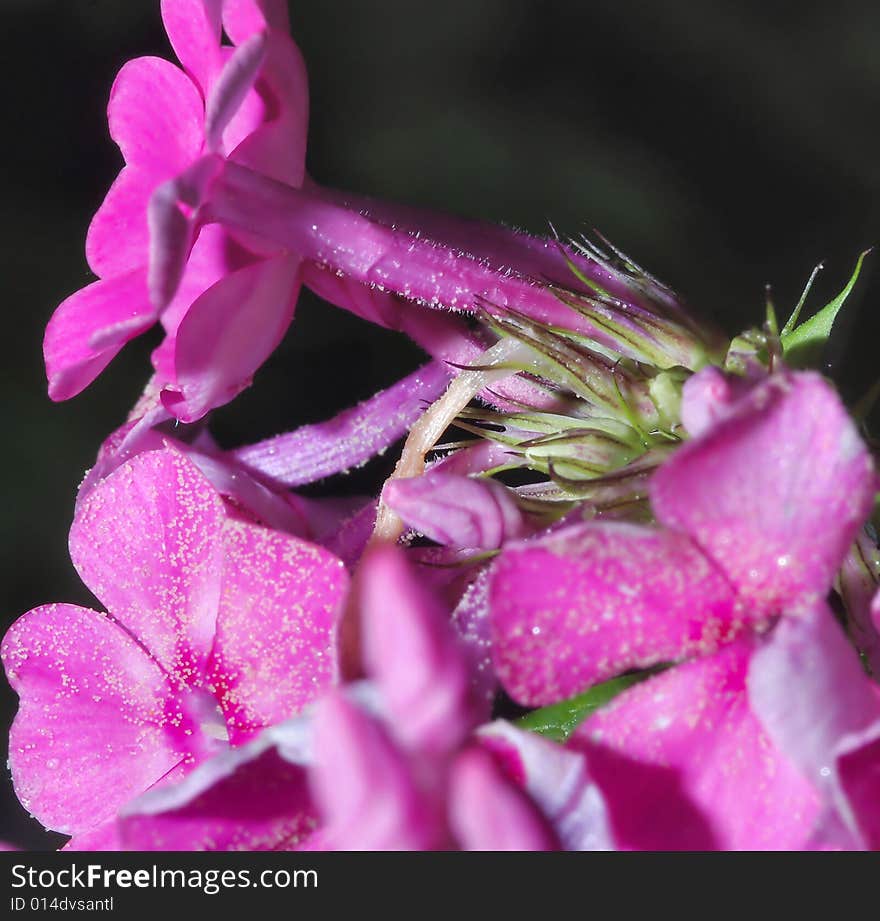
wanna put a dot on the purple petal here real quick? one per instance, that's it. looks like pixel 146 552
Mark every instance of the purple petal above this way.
pixel 353 535
pixel 156 117
pixel 774 493
pixel 364 788
pixel 89 731
pixel 249 799
pixel 557 782
pixel 708 397
pixel 457 511
pixel 275 647
pixel 488 813
pixel 228 333
pixel 807 687
pixel 471 621
pixel 413 655
pixel 118 239
pixel 477 457
pixel 591 601
pixel 193 26
pixel 146 540
pixel 241 18
pixel 88 330
pixel 809 690
pixel 252 500
pixel 685 765
pixel 348 440
pixel 103 838
pixel 214 255
pixel 134 437
pixel 858 771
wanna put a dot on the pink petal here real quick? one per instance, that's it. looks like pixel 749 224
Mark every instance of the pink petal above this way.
pixel 353 535
pixel 471 621
pixel 228 333
pixel 556 781
pixel 233 83
pixel 103 838
pixel 488 813
pixel 813 698
pixel 685 765
pixel 241 18
pixel 269 132
pixel 214 256
pixel 134 437
pixel 591 601
pixel 774 493
pixel 808 688
pixel 88 330
pixel 118 240
pixel 251 500
pixel 247 799
pixel 326 516
pixel 708 397
pixel 477 457
pixel 412 654
pixel 146 540
pixel 348 440
pixel 275 647
pixel 193 26
pixel 457 511
pixel 363 786
pixel 858 771
pixel 89 731
pixel 156 117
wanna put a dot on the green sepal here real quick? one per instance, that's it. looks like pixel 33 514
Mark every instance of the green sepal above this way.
pixel 803 345
pixel 559 721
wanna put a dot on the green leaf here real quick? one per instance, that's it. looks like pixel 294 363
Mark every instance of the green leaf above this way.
pixel 559 721
pixel 803 345
pixel 789 326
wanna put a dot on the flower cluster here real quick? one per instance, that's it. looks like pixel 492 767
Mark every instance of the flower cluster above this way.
pixel 631 602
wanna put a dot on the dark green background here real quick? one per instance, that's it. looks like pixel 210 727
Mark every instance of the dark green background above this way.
pixel 723 144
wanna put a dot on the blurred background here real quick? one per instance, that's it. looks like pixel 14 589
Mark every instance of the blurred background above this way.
pixel 724 144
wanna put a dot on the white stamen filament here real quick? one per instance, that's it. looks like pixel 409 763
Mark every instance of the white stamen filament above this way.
pixel 440 415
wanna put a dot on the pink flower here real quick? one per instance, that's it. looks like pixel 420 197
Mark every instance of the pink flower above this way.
pixel 457 511
pixel 232 306
pixel 755 517
pixel 392 763
pixel 212 225
pixel 217 629
pixel 771 743
pixel 767 737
